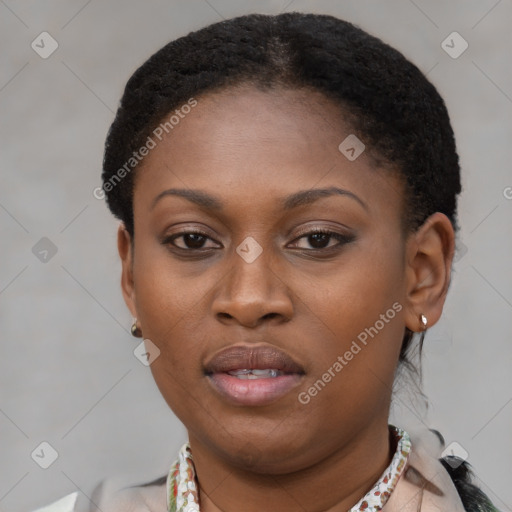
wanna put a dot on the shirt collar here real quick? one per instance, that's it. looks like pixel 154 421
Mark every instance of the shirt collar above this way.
pixel 183 492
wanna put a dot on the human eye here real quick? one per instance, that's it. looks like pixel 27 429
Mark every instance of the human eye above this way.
pixel 317 240
pixel 191 240
pixel 320 240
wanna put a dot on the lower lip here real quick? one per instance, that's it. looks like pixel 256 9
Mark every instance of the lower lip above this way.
pixel 253 391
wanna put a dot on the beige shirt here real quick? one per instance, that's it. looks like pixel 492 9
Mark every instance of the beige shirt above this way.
pixel 425 486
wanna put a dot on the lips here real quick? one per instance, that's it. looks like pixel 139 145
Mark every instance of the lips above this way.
pixel 253 375
pixel 252 358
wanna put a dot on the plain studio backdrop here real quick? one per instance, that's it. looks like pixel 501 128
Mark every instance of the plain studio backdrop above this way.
pixel 68 373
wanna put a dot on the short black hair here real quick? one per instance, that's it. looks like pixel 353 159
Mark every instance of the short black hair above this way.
pixel 389 103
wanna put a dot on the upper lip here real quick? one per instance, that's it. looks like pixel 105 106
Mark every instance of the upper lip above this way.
pixel 259 357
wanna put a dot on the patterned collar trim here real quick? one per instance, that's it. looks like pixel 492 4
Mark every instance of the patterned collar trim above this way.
pixel 183 492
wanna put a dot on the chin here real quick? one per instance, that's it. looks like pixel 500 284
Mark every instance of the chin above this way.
pixel 268 458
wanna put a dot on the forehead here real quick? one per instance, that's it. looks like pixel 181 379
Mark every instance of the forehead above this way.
pixel 247 145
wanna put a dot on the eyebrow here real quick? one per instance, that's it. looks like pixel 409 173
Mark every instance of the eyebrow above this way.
pixel 300 198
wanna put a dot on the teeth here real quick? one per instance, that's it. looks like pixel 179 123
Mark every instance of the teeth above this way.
pixel 272 372
pixel 255 374
pixel 239 372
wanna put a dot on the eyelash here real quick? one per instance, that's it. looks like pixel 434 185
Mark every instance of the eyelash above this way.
pixel 342 239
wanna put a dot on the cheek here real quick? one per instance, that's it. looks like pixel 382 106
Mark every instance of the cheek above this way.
pixel 172 308
pixel 169 293
pixel 358 329
pixel 352 297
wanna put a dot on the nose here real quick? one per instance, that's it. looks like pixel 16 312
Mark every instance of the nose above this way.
pixel 253 293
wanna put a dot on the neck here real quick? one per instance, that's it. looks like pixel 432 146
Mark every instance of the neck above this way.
pixel 333 484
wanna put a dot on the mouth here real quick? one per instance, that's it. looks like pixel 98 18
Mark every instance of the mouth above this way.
pixel 253 375
pixel 267 373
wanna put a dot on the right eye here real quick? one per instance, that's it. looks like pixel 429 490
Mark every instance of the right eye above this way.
pixel 191 240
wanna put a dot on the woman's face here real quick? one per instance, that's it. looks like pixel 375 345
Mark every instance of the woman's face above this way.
pixel 257 276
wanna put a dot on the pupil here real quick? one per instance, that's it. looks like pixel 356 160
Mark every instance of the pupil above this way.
pixel 321 238
pixel 194 241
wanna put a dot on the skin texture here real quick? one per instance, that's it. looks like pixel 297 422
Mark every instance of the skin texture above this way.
pixel 250 148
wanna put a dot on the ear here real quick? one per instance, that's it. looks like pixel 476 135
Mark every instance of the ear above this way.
pixel 428 270
pixel 124 246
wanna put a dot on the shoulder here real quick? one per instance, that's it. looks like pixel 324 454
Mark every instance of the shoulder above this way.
pixel 472 497
pixel 432 482
pixel 461 474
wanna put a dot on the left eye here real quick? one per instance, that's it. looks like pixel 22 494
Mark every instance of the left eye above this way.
pixel 320 239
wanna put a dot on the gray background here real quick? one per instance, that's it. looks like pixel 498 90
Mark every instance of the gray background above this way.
pixel 68 373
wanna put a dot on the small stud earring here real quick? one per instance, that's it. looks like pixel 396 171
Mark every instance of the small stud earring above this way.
pixel 423 320
pixel 136 332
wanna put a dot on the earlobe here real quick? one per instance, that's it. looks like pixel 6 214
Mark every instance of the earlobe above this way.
pixel 429 257
pixel 125 249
